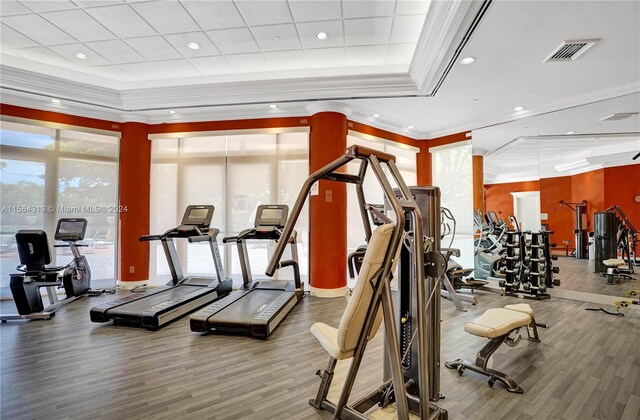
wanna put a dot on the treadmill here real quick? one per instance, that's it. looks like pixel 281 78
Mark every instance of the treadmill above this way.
pixel 182 295
pixel 259 306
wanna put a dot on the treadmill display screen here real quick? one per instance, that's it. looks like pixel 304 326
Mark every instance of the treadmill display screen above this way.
pixel 271 214
pixel 198 214
pixel 71 229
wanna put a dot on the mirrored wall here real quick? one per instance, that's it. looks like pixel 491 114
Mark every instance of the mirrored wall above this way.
pixel 542 169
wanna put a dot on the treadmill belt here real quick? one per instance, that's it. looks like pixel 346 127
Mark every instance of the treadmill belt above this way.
pixel 156 301
pixel 242 311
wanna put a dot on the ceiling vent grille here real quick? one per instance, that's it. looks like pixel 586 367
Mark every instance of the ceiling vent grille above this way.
pixel 618 116
pixel 570 50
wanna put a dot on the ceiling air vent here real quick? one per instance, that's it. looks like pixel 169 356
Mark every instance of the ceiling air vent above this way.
pixel 618 116
pixel 570 50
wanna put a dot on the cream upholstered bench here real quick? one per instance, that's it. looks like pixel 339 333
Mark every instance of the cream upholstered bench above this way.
pixel 498 324
pixel 340 343
pixel 613 269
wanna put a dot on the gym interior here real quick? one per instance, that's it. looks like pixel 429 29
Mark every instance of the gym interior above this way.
pixel 303 209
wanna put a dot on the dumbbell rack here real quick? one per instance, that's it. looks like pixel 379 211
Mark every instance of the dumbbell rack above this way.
pixel 529 265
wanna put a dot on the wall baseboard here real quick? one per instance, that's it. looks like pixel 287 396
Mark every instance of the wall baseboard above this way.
pixel 328 293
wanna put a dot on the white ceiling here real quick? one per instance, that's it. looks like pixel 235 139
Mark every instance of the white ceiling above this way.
pixel 541 146
pixel 147 40
pixel 138 65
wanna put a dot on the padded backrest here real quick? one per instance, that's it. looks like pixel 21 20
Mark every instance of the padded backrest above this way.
pixel 354 316
pixel 33 249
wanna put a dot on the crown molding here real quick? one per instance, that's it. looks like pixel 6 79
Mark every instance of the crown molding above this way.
pixel 328 106
pixel 444 24
pixel 383 125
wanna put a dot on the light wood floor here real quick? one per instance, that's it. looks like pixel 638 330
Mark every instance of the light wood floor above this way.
pixel 588 366
pixel 578 275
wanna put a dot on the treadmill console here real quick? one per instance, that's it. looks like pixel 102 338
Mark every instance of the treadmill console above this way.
pixel 271 217
pixel 70 230
pixel 196 217
pixel 492 218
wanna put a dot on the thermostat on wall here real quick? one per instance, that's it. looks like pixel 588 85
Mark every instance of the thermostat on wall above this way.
pixel 637 198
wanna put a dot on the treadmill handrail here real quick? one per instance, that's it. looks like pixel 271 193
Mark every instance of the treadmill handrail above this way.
pixel 206 237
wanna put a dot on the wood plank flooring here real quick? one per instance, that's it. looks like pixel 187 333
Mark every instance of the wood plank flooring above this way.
pixel 587 366
pixel 578 275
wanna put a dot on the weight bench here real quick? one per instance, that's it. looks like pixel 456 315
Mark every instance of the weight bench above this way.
pixel 498 325
pixel 613 269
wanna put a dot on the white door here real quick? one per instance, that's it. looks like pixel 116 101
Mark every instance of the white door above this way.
pixel 526 206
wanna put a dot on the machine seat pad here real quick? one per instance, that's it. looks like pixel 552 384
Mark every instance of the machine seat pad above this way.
pixel 328 338
pixel 496 322
pixel 521 307
pixel 614 262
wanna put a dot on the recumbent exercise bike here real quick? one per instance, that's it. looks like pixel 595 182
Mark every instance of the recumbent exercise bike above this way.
pixel 35 255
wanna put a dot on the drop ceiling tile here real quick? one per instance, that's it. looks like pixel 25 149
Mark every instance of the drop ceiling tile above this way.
pixel 79 25
pixel 180 41
pixel 153 48
pixel 94 3
pixel 212 65
pixel 286 60
pixel 406 28
pixel 47 5
pixel 116 51
pixel 308 11
pixel 176 68
pixel 68 52
pixel 234 41
pixel 401 53
pixel 219 14
pixel 276 37
pixel 333 29
pixel 369 31
pixel 248 63
pixel 167 17
pixel 142 71
pixel 264 12
pixel 12 7
pixel 412 7
pixel 370 55
pixel 359 8
pixel 326 57
pixel 13 39
pixel 122 20
pixel 38 29
pixel 43 55
pixel 110 72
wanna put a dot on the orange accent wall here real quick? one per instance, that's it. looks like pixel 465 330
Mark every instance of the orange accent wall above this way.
pixel 499 199
pixel 589 186
pixel 377 132
pixel 424 157
pixel 621 185
pixel 328 209
pixel 56 117
pixel 135 172
pixel 478 183
pixel 561 219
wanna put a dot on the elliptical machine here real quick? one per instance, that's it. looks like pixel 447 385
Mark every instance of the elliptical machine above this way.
pixel 35 255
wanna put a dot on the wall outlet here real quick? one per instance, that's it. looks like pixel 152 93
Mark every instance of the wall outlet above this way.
pixel 315 188
pixel 132 269
pixel 328 196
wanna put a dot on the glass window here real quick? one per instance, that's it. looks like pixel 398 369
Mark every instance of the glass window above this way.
pixel 53 174
pixel 23 135
pixel 88 143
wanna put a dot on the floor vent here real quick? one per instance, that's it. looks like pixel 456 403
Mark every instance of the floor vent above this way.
pixel 570 50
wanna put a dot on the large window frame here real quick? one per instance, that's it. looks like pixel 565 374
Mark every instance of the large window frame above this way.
pixel 183 160
pixel 51 158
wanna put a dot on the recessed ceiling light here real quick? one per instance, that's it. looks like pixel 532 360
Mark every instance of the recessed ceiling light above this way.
pixel 273 106
pixel 81 56
pixel 410 127
pixel 277 38
pixel 518 108
pixel 193 46
pixel 468 60
pixel 321 36
pixel 376 115
pixel 171 111
pixel 55 101
pixel 570 132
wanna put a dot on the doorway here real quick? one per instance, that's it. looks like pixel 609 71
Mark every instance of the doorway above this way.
pixel 526 206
